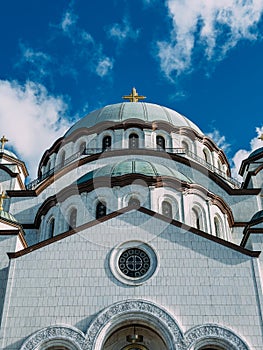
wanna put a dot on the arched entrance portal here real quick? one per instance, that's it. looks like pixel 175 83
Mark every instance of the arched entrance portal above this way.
pixel 134 325
pixel 134 337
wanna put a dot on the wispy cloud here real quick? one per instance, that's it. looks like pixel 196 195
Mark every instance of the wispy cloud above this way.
pixel 69 20
pixel 104 66
pixel 122 31
pixel 85 46
pixel 243 154
pixel 28 112
pixel 207 29
pixel 219 139
pixel 36 60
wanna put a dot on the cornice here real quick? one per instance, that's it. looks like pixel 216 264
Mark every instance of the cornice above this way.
pixel 149 212
pixel 125 180
pixel 15 161
pixel 147 152
pixel 133 122
pixel 16 232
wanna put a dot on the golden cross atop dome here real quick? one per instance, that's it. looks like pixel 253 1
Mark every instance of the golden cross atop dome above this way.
pixel 3 140
pixel 2 198
pixel 133 97
pixel 261 137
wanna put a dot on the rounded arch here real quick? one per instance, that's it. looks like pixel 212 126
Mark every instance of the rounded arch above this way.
pixel 105 140
pixel 185 144
pixel 72 218
pixel 50 229
pixel 139 311
pixel 207 155
pixel 198 218
pixel 133 140
pixel 106 143
pixel 52 336
pixel 168 206
pixel 82 147
pixel 139 197
pixel 61 157
pixel 199 338
pixel 101 208
pixel 139 137
pixel 160 142
pixel 218 226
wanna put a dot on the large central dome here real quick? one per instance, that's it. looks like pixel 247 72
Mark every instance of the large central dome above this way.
pixel 120 112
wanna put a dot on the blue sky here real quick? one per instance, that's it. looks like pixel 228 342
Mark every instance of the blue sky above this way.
pixel 62 59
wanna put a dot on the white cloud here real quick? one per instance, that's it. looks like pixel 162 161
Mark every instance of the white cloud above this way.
pixel 243 154
pixel 123 31
pixel 104 66
pixel 85 48
pixel 210 27
pixel 37 60
pixel 219 139
pixel 68 21
pixel 31 119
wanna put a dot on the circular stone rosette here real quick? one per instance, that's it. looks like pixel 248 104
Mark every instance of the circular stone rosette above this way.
pixel 133 262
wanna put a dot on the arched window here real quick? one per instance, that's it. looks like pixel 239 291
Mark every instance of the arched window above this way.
pixel 219 165
pixel 206 156
pixel 106 143
pixel 48 166
pixel 185 146
pixel 218 226
pixel 167 209
pixel 101 210
pixel 197 218
pixel 62 158
pixel 134 202
pixel 82 147
pixel 160 141
pixel 51 227
pixel 72 219
pixel 133 141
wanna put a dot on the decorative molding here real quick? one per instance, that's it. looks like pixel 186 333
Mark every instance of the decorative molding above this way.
pixel 145 311
pixel 114 214
pixel 73 336
pixel 213 332
pixel 139 310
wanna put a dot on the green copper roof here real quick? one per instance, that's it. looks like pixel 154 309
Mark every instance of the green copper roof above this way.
pixel 256 152
pixel 9 153
pixel 258 215
pixel 120 112
pixel 134 166
pixel 7 216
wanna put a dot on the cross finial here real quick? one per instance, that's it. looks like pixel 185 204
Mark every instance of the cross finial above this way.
pixel 2 198
pixel 3 140
pixel 261 137
pixel 133 97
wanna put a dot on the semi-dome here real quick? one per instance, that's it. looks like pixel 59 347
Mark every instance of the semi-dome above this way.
pixel 134 166
pixel 120 112
pixel 7 216
pixel 257 216
pixel 256 152
pixel 9 153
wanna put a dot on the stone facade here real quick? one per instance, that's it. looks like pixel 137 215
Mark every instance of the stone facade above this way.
pixel 134 236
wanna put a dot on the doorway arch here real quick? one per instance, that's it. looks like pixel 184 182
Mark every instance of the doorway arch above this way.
pixel 117 322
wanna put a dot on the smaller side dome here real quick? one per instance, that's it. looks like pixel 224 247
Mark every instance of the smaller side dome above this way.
pixel 257 216
pixel 256 152
pixel 7 216
pixel 134 166
pixel 9 153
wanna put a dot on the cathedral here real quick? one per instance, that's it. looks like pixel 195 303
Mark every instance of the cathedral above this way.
pixel 133 236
